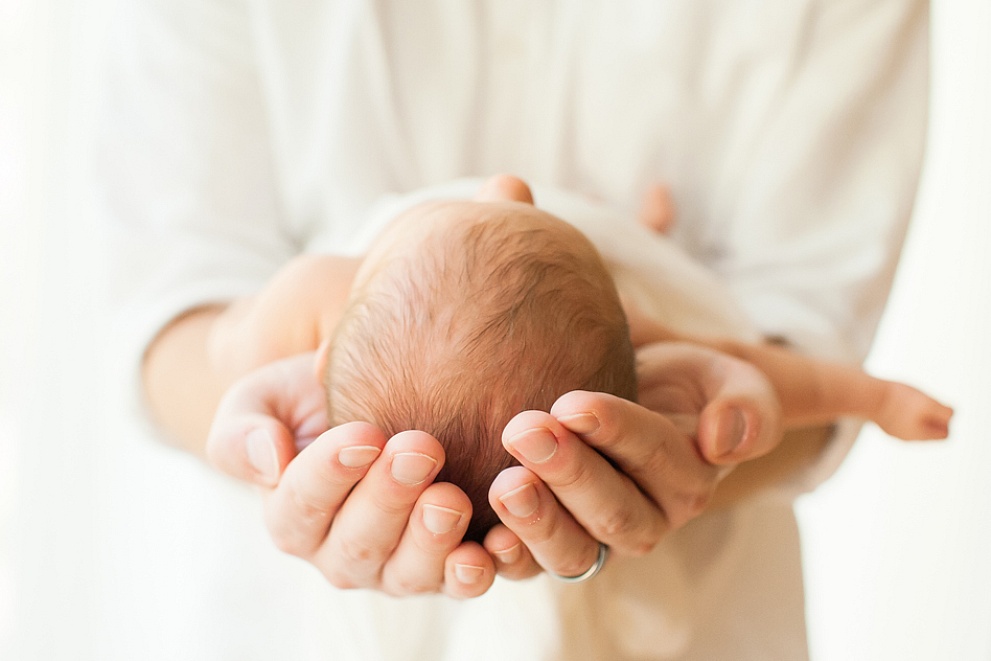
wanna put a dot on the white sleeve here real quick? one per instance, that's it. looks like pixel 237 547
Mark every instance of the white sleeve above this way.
pixel 809 235
pixel 185 166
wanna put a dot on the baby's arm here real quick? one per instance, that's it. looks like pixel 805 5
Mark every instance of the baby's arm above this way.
pixel 811 391
pixel 814 392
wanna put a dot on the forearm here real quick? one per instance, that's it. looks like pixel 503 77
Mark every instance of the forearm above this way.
pixel 811 391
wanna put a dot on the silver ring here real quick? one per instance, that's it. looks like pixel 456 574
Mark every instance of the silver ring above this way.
pixel 596 567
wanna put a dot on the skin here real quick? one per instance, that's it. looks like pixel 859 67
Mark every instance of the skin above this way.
pixel 379 538
pixel 816 392
pixel 349 504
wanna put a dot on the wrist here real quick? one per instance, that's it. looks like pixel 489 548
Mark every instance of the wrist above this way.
pixel 181 384
pixel 229 352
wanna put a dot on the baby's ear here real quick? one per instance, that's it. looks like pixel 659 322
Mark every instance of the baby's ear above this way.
pixel 321 358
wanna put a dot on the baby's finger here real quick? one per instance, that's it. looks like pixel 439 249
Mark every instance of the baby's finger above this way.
pixel 603 500
pixel 370 524
pixel 647 447
pixel 512 558
pixel 300 510
pixel 528 508
pixel 436 526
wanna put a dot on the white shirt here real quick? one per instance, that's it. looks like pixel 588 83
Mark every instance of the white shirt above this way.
pixel 790 134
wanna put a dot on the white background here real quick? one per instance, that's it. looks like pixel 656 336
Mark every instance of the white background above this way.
pixel 898 544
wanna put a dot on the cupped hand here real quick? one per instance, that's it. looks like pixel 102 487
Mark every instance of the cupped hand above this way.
pixel 600 468
pixel 361 507
pixel 352 504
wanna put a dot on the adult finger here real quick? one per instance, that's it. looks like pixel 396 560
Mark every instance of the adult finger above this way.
pixel 435 528
pixel 645 446
pixel 369 525
pixel 468 571
pixel 300 510
pixel 512 558
pixel 606 503
pixel 551 535
pixel 264 417
pixel 431 556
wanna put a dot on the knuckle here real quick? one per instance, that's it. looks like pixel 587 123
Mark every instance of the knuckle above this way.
pixel 286 538
pixel 649 537
pixel 339 580
pixel 655 461
pixel 576 564
pixel 306 507
pixel 359 552
pixel 411 586
pixel 394 509
pixel 289 543
pixel 618 522
pixel 576 478
pixel 687 505
pixel 698 501
pixel 623 529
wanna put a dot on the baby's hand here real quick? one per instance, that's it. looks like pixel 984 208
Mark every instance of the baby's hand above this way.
pixel 912 415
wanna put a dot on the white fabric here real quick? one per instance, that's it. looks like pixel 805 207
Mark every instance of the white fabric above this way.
pixel 664 280
pixel 789 131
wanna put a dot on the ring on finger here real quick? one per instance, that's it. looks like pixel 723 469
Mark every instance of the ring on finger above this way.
pixel 600 562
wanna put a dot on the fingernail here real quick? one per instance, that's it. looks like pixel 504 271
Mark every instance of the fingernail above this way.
pixel 521 501
pixel 262 455
pixel 580 423
pixel 440 520
pixel 536 445
pixel 358 456
pixel 509 556
pixel 730 427
pixel 468 574
pixel 412 467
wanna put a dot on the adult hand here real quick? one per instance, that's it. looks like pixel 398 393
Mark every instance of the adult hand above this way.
pixel 349 504
pixel 599 468
pixel 360 507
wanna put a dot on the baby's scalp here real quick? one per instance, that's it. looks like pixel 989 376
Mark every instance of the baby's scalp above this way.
pixel 489 310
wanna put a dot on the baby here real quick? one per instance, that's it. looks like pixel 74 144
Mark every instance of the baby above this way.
pixel 466 312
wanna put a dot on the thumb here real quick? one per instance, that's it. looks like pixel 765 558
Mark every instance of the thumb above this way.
pixel 742 419
pixel 252 447
pixel 264 418
pixel 739 414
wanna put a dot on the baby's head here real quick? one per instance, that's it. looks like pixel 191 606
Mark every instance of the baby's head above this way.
pixel 465 313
